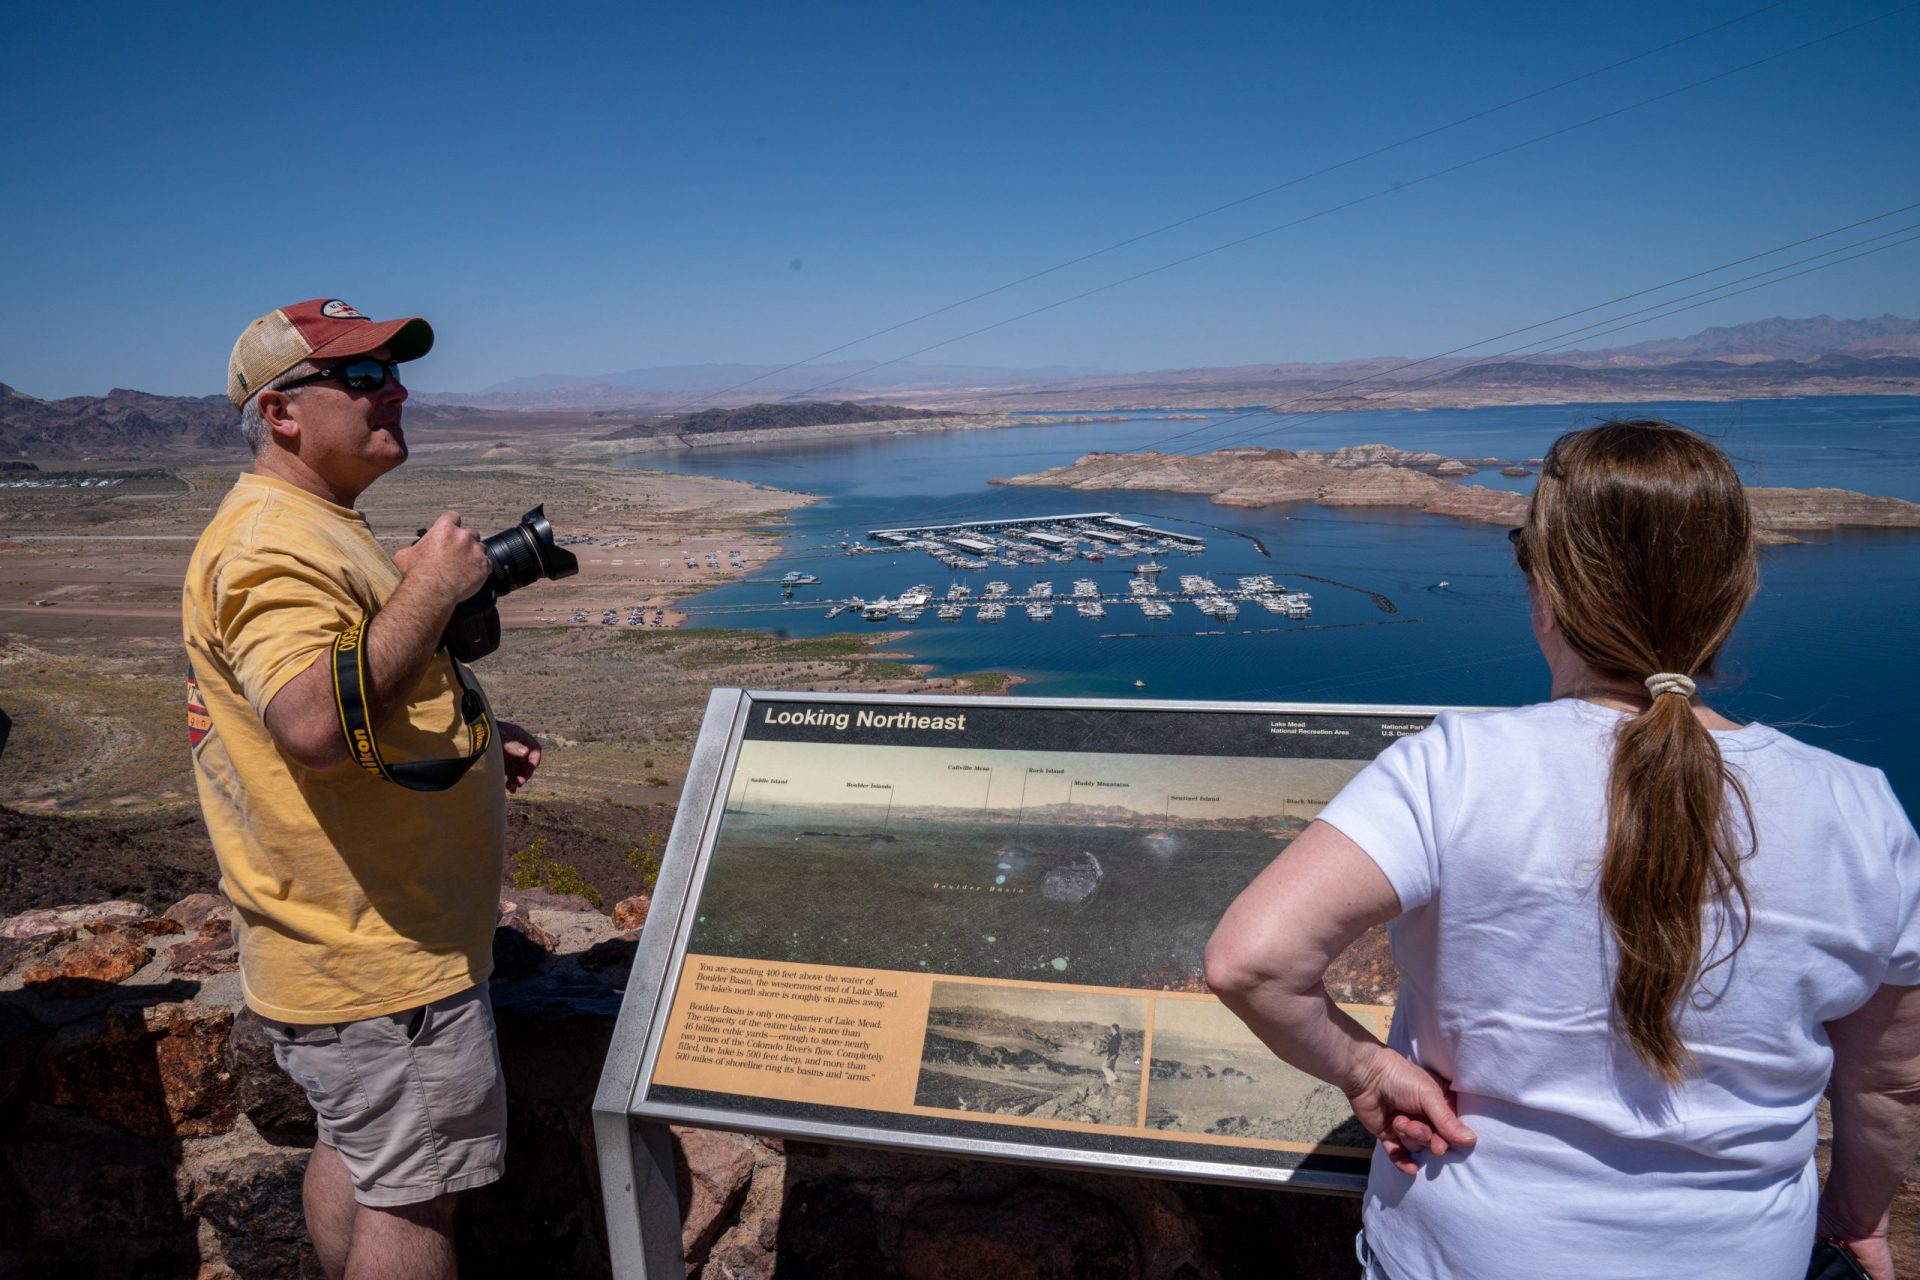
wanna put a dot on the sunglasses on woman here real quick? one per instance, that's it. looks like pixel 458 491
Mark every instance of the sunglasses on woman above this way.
pixel 363 374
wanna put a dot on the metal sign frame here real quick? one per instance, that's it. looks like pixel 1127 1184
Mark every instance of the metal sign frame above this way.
pixel 635 1152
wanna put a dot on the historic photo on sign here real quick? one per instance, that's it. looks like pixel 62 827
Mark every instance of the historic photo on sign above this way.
pixel 1098 869
pixel 1030 1051
pixel 1209 1074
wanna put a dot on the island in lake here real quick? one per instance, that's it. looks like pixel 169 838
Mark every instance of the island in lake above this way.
pixel 1378 475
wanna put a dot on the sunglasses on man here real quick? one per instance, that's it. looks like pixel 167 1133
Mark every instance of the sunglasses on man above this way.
pixel 363 374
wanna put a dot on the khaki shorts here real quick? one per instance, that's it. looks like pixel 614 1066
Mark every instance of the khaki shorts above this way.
pixel 413 1101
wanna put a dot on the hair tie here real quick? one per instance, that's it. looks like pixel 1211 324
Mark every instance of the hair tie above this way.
pixel 1670 682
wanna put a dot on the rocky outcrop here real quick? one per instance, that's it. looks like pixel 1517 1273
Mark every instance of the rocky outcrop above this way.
pixel 146 1130
pixel 1377 475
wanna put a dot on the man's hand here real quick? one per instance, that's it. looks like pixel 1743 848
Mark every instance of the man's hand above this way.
pixel 521 751
pixel 448 559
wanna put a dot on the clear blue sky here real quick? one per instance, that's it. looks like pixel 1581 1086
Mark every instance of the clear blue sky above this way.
pixel 586 189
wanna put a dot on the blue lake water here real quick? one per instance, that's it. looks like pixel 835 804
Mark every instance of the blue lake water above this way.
pixel 1825 653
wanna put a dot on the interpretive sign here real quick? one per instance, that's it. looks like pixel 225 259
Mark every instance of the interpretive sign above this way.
pixel 975 925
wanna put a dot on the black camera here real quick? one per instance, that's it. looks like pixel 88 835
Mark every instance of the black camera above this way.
pixel 515 557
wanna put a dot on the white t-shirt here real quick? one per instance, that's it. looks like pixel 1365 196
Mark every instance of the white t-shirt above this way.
pixel 1490 827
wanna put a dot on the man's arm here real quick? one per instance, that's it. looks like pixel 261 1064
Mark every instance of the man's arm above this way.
pixel 445 567
pixel 1876 1121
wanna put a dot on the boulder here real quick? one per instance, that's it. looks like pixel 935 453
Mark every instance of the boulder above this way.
pixel 519 947
pixel 538 899
pixel 611 953
pixel 631 913
pixel 253 1204
pixel 823 1229
pixel 21 1036
pixel 87 967
pixel 158 1071
pixel 261 1090
pixel 196 911
pixel 41 920
pixel 16 953
pixel 98 1191
pixel 209 952
pixel 713 1170
pixel 149 927
pixel 1040 1230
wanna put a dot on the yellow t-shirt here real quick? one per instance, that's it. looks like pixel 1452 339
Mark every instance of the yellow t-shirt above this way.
pixel 354 897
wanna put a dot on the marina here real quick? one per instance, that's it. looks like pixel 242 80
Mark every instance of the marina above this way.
pixel 1091 536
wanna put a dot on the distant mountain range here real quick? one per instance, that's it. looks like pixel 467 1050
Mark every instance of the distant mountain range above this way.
pixel 768 377
pixel 1817 356
pixel 120 424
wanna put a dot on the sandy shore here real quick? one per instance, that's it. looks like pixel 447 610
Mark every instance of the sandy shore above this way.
pixel 92 677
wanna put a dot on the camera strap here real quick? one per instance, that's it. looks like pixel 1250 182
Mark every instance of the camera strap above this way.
pixel 349 696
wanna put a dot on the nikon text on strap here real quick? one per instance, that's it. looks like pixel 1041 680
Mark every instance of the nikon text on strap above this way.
pixel 349 696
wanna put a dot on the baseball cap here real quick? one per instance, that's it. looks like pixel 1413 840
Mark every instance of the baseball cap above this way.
pixel 317 329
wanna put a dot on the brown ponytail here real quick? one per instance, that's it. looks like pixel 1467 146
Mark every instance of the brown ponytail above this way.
pixel 1640 540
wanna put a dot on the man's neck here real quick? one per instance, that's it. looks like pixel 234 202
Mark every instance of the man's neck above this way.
pixel 288 467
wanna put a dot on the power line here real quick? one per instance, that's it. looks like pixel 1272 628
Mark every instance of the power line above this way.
pixel 1235 203
pixel 1391 189
pixel 1324 392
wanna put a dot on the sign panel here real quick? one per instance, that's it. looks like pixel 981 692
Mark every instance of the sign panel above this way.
pixel 977 925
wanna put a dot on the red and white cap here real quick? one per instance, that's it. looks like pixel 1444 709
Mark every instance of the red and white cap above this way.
pixel 317 329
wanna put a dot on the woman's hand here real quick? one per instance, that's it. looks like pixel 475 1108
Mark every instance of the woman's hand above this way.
pixel 1871 1251
pixel 1409 1109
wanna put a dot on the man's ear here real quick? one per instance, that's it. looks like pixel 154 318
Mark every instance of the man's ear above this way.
pixel 276 409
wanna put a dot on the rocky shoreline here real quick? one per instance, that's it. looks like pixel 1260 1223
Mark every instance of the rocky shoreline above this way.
pixel 1378 475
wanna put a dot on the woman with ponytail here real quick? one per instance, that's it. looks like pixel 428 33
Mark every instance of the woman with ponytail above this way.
pixel 1635 938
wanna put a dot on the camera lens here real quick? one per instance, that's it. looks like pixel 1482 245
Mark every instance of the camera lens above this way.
pixel 526 553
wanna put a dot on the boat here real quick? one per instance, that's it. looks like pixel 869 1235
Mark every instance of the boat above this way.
pixel 834 611
pixel 1148 566
pixel 1041 588
pixel 992 611
pixel 877 610
pixel 951 612
pixel 797 579
pixel 1039 612
pixel 1085 587
pixel 998 588
pixel 1091 609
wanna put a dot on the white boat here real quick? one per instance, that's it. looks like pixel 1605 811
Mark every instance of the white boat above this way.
pixel 1085 587
pixel 877 610
pixel 951 612
pixel 1148 566
pixel 992 611
pixel 1091 609
pixel 998 588
pixel 1041 588
pixel 1039 612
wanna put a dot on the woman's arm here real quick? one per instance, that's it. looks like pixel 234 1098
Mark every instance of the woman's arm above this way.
pixel 1267 961
pixel 1876 1121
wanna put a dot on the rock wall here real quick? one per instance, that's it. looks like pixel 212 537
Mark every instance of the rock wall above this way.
pixel 146 1132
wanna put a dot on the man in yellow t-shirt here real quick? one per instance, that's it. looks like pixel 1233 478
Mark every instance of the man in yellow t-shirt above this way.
pixel 365 910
